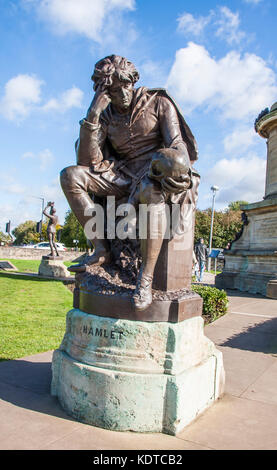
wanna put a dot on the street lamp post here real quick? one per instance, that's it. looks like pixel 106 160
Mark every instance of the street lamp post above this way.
pixel 42 207
pixel 214 190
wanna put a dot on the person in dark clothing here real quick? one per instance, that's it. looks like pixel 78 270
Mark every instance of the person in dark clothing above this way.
pixel 201 253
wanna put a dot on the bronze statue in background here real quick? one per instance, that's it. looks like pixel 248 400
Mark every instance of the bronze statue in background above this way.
pixel 51 228
pixel 134 145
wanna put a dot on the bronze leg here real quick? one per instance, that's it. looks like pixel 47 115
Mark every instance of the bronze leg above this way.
pixel 50 236
pixel 150 194
pixel 78 182
pixel 54 244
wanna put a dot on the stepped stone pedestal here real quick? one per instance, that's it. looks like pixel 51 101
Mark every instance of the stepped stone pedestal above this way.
pixel 251 263
pixel 149 371
pixel 51 266
pixel 128 375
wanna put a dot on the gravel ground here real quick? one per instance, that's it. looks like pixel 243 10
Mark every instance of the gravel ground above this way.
pixel 208 278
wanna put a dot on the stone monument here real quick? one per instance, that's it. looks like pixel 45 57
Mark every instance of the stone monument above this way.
pixel 52 265
pixel 134 355
pixel 251 263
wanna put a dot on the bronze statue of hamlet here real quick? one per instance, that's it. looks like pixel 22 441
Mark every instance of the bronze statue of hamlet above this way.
pixel 135 145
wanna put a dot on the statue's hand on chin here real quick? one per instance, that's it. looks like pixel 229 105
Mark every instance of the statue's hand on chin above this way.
pixel 100 101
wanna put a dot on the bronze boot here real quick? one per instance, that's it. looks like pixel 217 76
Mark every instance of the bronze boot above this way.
pixel 143 294
pixel 100 256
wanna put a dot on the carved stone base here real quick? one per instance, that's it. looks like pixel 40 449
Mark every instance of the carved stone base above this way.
pixel 133 375
pixel 251 264
pixel 53 268
pixel 253 283
pixel 271 291
pixel 58 258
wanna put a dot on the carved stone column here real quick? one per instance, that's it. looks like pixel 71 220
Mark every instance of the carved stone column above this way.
pixel 251 264
pixel 267 128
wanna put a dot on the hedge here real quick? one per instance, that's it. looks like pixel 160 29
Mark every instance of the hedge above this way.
pixel 215 302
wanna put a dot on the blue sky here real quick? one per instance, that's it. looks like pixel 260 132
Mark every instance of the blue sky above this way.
pixel 216 58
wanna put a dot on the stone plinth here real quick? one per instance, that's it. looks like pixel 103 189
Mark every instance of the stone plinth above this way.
pixel 53 267
pixel 251 264
pixel 137 376
pixel 267 128
pixel 271 291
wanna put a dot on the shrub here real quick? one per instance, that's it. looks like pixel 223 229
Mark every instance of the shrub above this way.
pixel 215 302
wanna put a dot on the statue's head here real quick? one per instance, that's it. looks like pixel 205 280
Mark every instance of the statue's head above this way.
pixel 117 76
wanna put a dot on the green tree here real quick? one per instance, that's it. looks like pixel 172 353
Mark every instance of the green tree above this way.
pixel 26 233
pixel 226 225
pixel 202 225
pixel 235 206
pixel 5 238
pixel 72 230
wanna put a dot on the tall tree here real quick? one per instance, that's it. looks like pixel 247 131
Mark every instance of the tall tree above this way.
pixel 72 230
pixel 5 238
pixel 226 224
pixel 235 206
pixel 26 233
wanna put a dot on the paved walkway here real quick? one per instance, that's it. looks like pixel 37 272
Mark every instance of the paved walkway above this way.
pixel 245 418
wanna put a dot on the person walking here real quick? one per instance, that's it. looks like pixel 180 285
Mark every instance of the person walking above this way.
pixel 195 267
pixel 201 253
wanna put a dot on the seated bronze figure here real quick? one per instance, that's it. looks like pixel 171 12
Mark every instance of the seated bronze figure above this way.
pixel 134 144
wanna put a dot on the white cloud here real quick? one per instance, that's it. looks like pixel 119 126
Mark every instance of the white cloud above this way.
pixel 9 185
pixel 84 17
pixel 238 86
pixel 53 191
pixel 18 211
pixel 228 26
pixel 224 23
pixel 71 98
pixel 239 178
pixel 45 158
pixel 189 24
pixel 153 73
pixel 20 203
pixel 22 94
pixel 8 212
pixel 240 139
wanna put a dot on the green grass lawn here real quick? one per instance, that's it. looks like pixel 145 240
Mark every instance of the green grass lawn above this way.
pixel 29 265
pixel 32 315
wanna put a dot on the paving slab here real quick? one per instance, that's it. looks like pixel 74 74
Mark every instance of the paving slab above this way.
pixel 264 387
pixel 235 424
pixel 267 308
pixel 243 368
pixel 250 340
pixel 31 373
pixel 90 437
pixel 240 322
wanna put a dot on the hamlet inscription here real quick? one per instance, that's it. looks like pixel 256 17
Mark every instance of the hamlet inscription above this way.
pixel 101 332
